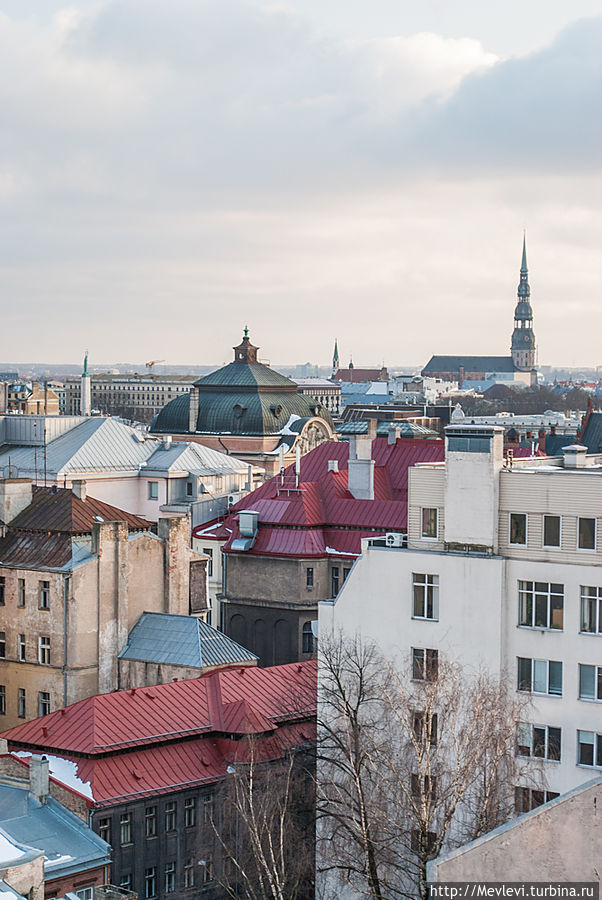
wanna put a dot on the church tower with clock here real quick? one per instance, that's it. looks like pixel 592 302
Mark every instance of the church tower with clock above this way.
pixel 523 337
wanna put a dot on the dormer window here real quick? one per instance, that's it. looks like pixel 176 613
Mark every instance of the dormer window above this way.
pixel 276 409
pixel 239 410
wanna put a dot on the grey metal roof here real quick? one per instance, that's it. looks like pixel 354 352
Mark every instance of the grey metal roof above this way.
pixel 68 844
pixel 246 374
pixel 182 641
pixel 469 363
pixel 406 429
pixel 194 457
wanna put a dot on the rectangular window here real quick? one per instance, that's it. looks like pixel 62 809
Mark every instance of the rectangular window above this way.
pixel 104 830
pixel 208 807
pixel 426 596
pixel 540 604
pixel 551 531
pixel 2 590
pixel 208 868
pixel 541 741
pixel 170 877
pixel 44 595
pixel 422 841
pixel 309 577
pixel 425 664
pixel 425 787
pixel 591 609
pixel 540 676
pixel 43 703
pixel 429 523
pixel 2 645
pixel 208 551
pixel 590 682
pixel 125 828
pixel 85 893
pixel 21 647
pixel 21 703
pixel 526 799
pixel 170 815
pixel 425 727
pixel 589 748
pixel 189 488
pixel 44 650
pixel 21 592
pixel 587 534
pixel 189 812
pixel 126 881
pixel 518 528
pixel 189 873
pixel 153 490
pixel 150 821
pixel 335 583
pixel 150 882
pixel 2 699
pixel 346 572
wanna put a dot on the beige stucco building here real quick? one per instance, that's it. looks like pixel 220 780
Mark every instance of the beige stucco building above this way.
pixel 75 576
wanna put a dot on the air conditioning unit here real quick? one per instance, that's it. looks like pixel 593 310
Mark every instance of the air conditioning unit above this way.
pixel 232 499
pixel 395 539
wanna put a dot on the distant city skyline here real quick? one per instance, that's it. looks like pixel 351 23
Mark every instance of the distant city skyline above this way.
pixel 173 171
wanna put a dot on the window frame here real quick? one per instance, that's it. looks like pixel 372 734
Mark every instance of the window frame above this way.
pixel 532 681
pixel 43 594
pixel 430 586
pixel 43 703
pixel 21 593
pixel 597 681
pixel 153 490
pixel 21 703
pixel 44 649
pixel 335 585
pixel 532 744
pixel 309 578
pixel 208 551
pixel 307 638
pixel 189 872
pixel 581 548
pixel 104 829
pixel 170 813
pixel 530 596
pixel 557 546
pixel 596 746
pixel 189 812
pixel 526 523
pixel 597 599
pixel 150 821
pixel 424 667
pixel 125 829
pixel 426 524
pixel 2 699
pixel 2 644
pixel 150 882
pixel 170 877
pixel 22 647
pixel 2 590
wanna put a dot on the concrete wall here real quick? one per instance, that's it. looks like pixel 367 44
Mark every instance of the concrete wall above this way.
pixel 558 842
pixel 27 879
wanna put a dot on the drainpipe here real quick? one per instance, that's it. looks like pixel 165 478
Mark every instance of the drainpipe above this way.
pixel 66 586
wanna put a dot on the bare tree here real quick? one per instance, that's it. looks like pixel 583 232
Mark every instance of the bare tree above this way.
pixel 265 827
pixel 410 760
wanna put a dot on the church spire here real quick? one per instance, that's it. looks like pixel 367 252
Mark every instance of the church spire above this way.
pixel 523 337
pixel 335 358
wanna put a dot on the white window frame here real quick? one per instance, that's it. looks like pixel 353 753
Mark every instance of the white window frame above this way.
pixel 525 592
pixel 596 752
pixel 545 663
pixel 557 546
pixel 429 665
pixel 595 521
pixel 44 650
pixel 153 489
pixel 597 673
pixel 526 540
pixel 424 531
pixel 586 599
pixel 430 582
pixel 532 755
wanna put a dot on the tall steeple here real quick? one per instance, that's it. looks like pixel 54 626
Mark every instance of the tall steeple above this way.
pixel 85 400
pixel 523 337
pixel 335 358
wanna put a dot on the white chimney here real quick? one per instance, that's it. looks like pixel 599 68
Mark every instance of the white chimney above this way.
pixel 360 477
pixel 333 465
pixel 393 434
pixel 166 443
pixel 39 772
pixel 574 456
pixel 79 489
pixel 15 496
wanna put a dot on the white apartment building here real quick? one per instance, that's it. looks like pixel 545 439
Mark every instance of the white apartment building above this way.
pixel 502 570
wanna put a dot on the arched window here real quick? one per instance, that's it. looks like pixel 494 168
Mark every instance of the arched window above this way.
pixel 308 638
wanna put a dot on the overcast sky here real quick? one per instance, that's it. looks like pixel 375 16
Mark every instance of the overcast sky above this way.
pixel 171 170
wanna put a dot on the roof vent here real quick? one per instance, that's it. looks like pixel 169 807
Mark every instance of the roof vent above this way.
pixel 574 456
pixel 333 465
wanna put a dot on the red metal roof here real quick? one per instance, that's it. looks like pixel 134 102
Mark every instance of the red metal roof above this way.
pixel 320 516
pixel 177 734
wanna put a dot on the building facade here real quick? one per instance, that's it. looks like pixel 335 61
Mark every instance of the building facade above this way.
pixel 75 575
pixel 502 571
pixel 138 397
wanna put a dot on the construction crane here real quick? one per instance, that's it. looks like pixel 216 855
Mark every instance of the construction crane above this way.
pixel 153 362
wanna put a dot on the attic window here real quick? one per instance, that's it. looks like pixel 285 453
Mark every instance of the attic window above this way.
pixel 276 409
pixel 239 410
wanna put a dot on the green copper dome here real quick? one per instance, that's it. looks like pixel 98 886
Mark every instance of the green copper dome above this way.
pixel 245 397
